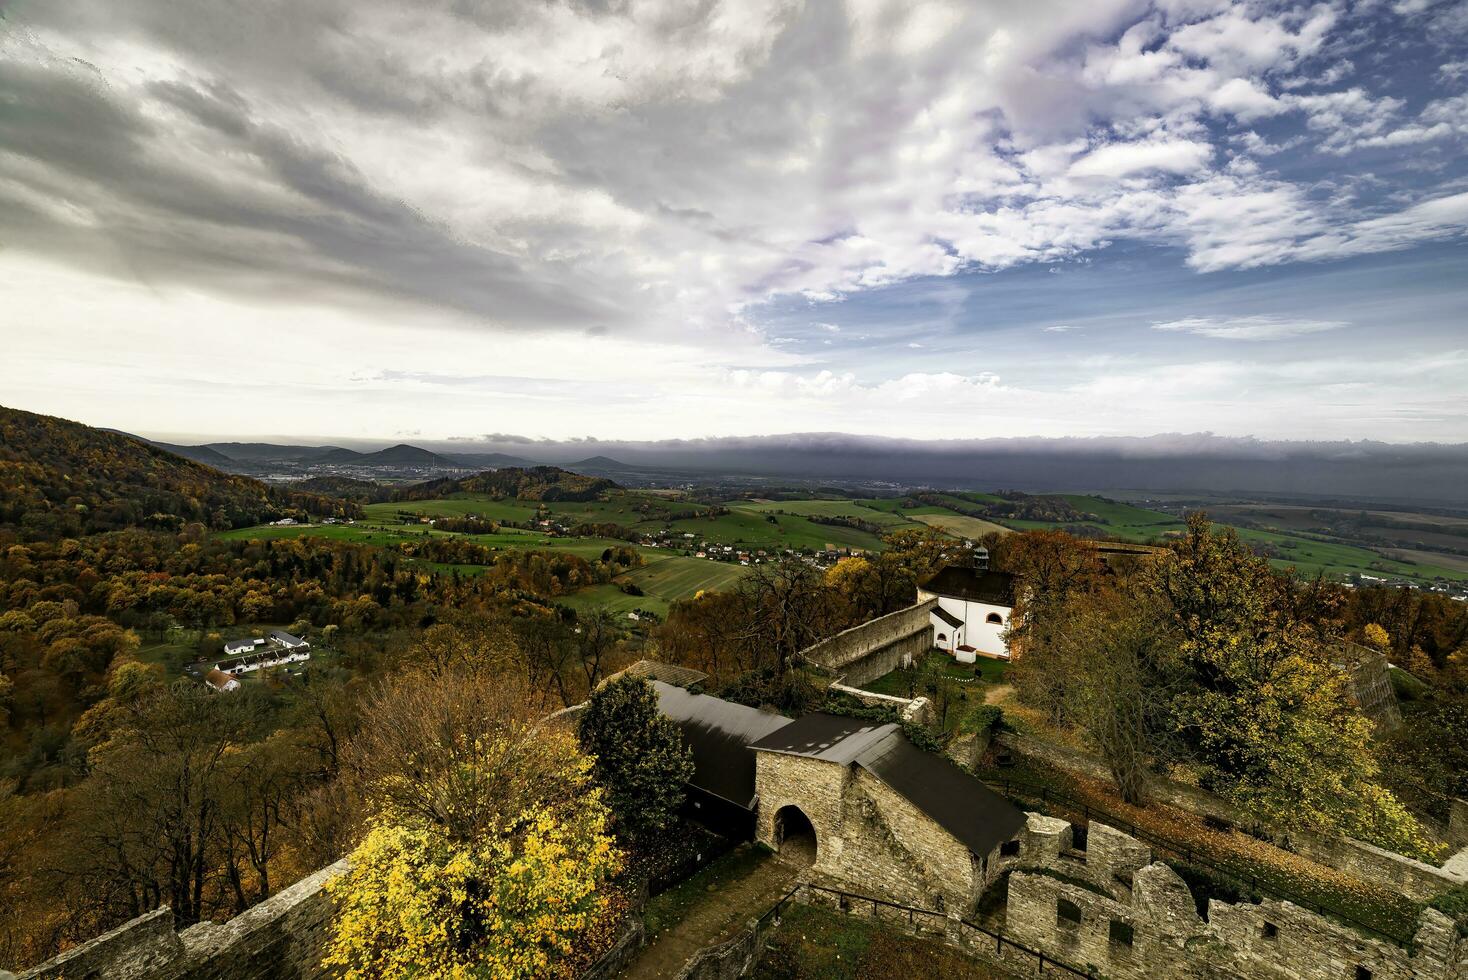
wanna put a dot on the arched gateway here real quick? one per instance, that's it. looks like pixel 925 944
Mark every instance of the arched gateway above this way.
pixel 795 835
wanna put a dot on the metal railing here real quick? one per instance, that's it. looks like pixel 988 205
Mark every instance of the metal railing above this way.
pixel 848 902
pixel 1012 788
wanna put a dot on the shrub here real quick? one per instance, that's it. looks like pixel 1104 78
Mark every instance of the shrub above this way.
pixel 981 718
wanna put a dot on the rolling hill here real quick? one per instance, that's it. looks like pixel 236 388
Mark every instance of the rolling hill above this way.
pixel 548 483
pixel 63 479
pixel 400 455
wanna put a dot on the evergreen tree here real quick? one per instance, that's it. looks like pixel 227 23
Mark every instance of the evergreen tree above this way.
pixel 641 761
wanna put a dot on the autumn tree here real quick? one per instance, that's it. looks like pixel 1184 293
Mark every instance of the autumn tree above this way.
pixel 147 821
pixel 786 609
pixel 487 851
pixel 1121 661
pixel 1269 719
pixel 641 761
pixel 1052 567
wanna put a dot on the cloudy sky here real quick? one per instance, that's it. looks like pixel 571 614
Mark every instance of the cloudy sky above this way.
pixel 617 218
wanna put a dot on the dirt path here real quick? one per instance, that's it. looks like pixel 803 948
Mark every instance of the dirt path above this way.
pixel 997 693
pixel 717 917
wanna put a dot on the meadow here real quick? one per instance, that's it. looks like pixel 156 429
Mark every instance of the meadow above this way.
pixel 1291 539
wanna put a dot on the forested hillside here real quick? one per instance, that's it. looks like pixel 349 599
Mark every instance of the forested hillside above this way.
pixel 345 488
pixel 529 483
pixel 63 479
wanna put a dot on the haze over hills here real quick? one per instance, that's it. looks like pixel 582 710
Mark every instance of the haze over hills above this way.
pixel 1426 473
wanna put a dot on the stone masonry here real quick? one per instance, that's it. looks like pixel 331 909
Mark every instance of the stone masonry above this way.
pixel 1112 909
pixel 869 839
pixel 864 653
pixel 282 938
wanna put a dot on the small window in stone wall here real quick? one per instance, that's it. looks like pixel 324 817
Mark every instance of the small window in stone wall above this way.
pixel 1120 932
pixel 1362 973
pixel 1269 931
pixel 1078 836
pixel 1009 848
pixel 1067 913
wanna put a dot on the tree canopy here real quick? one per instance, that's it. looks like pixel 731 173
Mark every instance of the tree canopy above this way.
pixel 641 761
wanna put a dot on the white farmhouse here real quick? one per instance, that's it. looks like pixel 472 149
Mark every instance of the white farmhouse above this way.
pixel 973 611
pixel 218 680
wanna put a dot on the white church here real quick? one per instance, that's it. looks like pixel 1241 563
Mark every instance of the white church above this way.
pixel 974 609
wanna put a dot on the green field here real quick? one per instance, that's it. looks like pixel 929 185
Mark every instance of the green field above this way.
pixel 963 526
pixel 664 579
pixel 827 508
pixel 773 526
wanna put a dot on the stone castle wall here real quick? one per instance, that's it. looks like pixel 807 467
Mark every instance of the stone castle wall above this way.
pixel 1417 880
pixel 282 938
pixel 864 653
pixel 1112 909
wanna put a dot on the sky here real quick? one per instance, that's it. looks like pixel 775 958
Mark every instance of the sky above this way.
pixel 644 220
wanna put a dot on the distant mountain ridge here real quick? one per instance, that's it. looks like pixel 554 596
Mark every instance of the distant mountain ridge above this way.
pixel 247 452
pixel 258 456
pixel 599 463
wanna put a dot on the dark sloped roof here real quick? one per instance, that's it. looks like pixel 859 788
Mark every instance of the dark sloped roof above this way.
pixel 947 617
pixel 830 738
pixel 719 734
pixel 655 670
pixel 973 813
pixel 964 582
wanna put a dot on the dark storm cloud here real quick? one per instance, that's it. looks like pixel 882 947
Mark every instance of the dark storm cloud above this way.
pixel 103 184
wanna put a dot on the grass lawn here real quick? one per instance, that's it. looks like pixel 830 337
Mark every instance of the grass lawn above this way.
pixel 459 505
pixel 663 579
pixel 1115 513
pixel 677 577
pixel 898 682
pixel 1312 557
pixel 749 529
pixel 820 944
pixel 613 600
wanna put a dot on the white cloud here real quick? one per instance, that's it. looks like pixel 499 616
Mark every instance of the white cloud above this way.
pixel 1245 99
pixel 1126 159
pixel 653 173
pixel 1061 328
pixel 1247 327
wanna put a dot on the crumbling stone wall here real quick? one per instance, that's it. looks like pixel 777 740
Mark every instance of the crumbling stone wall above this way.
pixel 282 938
pixel 864 653
pixel 1417 880
pixel 1114 910
pixel 918 710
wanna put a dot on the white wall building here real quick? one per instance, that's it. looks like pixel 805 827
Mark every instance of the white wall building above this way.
pixel 982 604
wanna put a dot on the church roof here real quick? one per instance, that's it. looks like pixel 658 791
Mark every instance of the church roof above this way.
pixel 975 585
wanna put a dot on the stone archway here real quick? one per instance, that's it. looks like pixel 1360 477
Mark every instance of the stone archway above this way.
pixel 795 835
